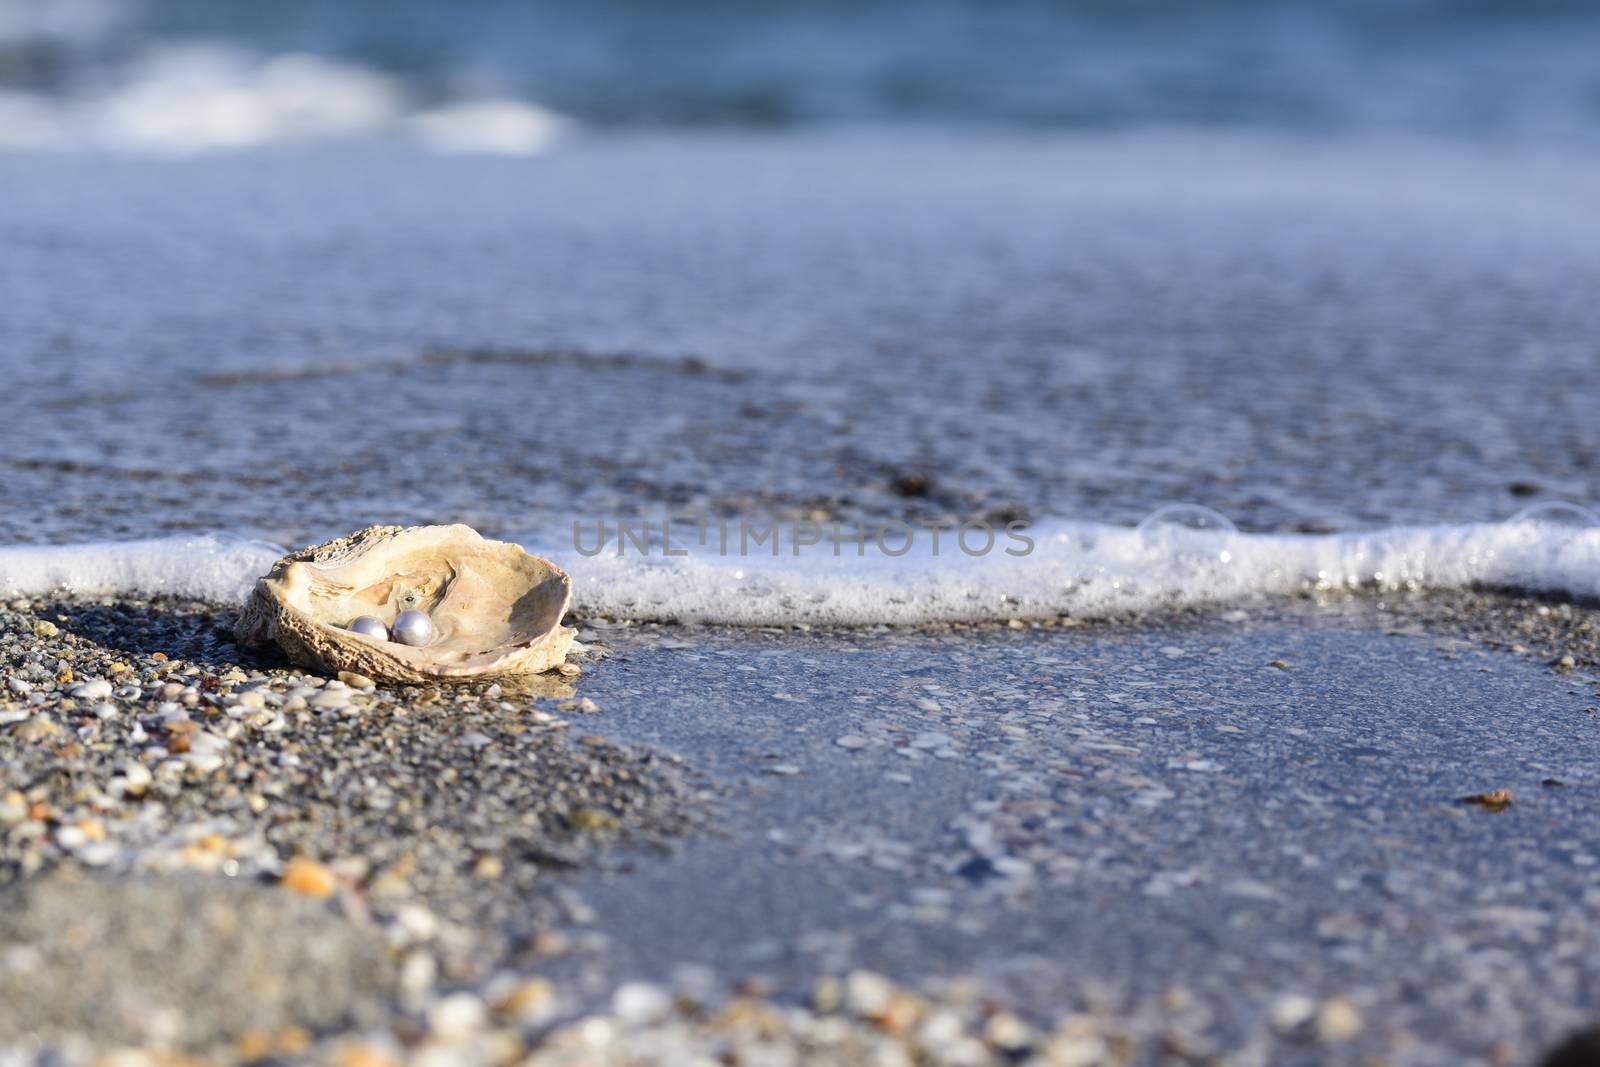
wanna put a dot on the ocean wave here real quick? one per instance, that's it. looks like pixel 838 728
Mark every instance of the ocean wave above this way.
pixel 1498 69
pixel 1076 569
pixel 189 98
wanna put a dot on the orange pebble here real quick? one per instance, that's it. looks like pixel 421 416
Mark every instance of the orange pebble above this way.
pixel 309 878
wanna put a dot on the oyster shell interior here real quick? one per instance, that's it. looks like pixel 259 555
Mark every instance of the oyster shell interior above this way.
pixel 495 608
pixel 477 603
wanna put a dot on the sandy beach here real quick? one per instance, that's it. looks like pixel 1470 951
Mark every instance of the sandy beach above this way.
pixel 1079 844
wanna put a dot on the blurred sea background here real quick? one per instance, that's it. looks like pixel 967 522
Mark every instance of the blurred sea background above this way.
pixel 281 270
pixel 100 71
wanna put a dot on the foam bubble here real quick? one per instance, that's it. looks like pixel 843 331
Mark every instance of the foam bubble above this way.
pixel 1557 513
pixel 1186 516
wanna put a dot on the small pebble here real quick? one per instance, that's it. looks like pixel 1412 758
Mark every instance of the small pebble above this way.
pixel 135 778
pixel 1338 1020
pixel 309 878
pixel 13 808
pixel 38 728
pixel 94 689
pixel 1007 1032
pixel 457 1016
pixel 1291 1011
pixel 640 1003
pixel 867 994
pixel 527 1002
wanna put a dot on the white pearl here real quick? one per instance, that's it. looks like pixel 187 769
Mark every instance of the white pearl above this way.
pixel 413 628
pixel 366 624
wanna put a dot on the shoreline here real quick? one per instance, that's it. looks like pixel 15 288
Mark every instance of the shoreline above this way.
pixel 1063 570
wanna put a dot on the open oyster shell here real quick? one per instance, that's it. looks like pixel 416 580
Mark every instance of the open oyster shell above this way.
pixel 496 610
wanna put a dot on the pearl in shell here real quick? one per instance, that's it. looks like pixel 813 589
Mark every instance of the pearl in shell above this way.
pixel 413 628
pixel 366 624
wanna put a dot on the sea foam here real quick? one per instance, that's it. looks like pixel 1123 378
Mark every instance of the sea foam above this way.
pixel 210 567
pixel 1080 569
pixel 197 97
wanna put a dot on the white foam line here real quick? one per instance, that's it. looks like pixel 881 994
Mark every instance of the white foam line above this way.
pixel 210 567
pixel 1084 570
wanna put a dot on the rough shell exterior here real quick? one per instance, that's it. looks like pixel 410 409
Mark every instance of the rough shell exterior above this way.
pixel 497 609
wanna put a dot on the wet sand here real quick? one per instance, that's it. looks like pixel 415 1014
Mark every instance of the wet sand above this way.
pixel 1237 834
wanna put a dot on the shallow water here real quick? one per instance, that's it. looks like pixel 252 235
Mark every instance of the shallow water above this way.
pixel 1302 336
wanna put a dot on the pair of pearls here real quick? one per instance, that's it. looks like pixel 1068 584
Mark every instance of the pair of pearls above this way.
pixel 410 628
